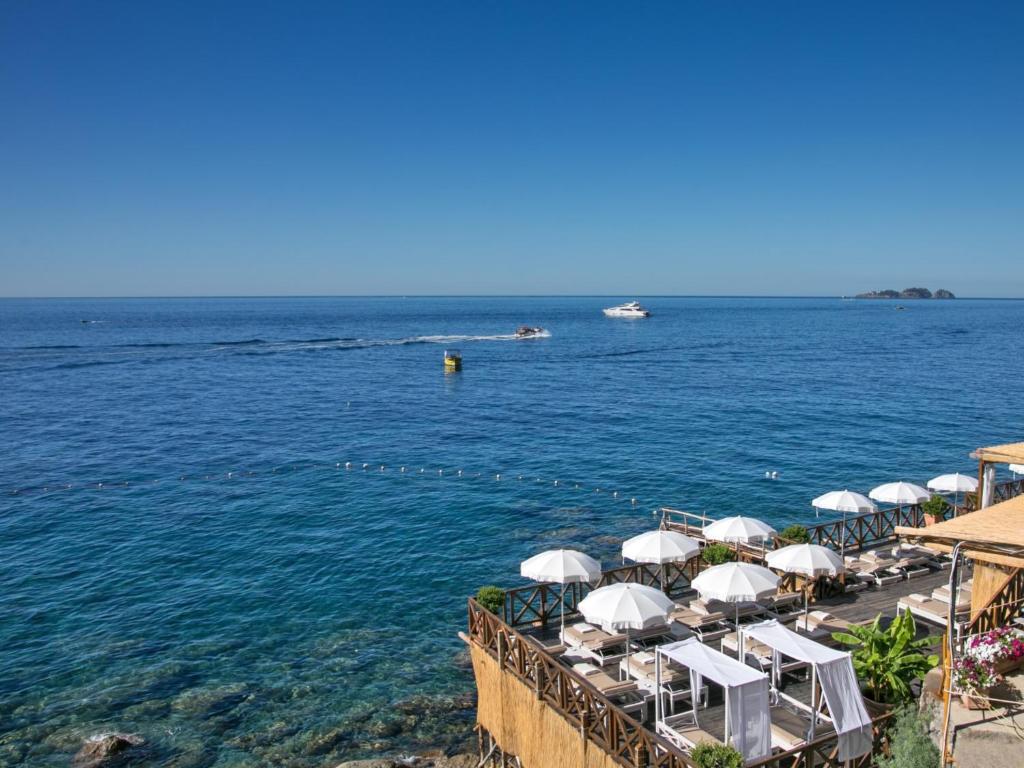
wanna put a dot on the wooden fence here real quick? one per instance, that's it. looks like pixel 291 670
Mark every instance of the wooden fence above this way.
pixel 1003 607
pixel 606 725
pixel 599 720
pixel 1003 491
pixel 543 603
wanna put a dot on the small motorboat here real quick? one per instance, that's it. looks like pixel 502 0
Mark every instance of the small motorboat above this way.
pixel 452 360
pixel 528 331
pixel 629 309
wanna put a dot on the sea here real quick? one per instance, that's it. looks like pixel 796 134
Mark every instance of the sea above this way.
pixel 245 528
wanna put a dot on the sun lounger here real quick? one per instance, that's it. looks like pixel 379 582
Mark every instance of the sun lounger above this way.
pixel 728 610
pixel 683 730
pixel 759 655
pixel 707 627
pixel 963 597
pixel 928 609
pixel 594 642
pixel 933 557
pixel 819 626
pixel 872 566
pixel 601 680
pixel 786 605
pixel 790 730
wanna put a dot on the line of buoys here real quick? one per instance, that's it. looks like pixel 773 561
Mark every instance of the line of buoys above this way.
pixel 236 474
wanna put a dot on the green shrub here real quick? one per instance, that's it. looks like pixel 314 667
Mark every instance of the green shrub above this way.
pixel 887 661
pixel 795 533
pixel 711 755
pixel 492 598
pixel 716 554
pixel 935 506
pixel 909 743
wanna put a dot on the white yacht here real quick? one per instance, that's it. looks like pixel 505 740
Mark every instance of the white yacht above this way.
pixel 629 309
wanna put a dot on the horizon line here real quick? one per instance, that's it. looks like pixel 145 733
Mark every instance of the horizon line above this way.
pixel 491 296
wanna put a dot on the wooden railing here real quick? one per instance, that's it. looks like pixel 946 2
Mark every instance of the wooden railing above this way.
pixel 607 726
pixel 1003 491
pixel 599 720
pixel 543 603
pixel 1003 607
pixel 823 752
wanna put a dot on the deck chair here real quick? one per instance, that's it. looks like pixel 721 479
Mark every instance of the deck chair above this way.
pixel 684 731
pixel 588 640
pixel 707 627
pixel 790 730
pixel 928 609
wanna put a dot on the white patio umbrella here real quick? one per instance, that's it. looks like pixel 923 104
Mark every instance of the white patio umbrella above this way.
pixel 628 606
pixel 1017 469
pixel 562 566
pixel 844 501
pixel 807 559
pixel 660 547
pixel 736 583
pixel 900 493
pixel 738 529
pixel 955 484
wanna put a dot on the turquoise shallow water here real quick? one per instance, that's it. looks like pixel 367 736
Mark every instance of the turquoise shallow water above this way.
pixel 296 612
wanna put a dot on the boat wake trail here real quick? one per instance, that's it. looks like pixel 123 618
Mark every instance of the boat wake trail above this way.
pixel 72 356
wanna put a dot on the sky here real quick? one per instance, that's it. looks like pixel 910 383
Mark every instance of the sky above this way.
pixel 256 148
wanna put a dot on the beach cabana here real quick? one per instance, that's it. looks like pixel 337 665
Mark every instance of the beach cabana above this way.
pixel 832 677
pixel 747 721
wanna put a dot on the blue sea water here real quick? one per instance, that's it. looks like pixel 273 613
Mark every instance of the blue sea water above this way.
pixel 183 553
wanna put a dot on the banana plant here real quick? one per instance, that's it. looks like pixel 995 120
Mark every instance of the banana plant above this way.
pixel 888 660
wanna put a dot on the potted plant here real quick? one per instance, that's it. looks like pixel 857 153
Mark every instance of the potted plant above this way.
pixel 985 658
pixel 795 534
pixel 934 509
pixel 491 598
pixel 888 660
pixel 716 554
pixel 974 678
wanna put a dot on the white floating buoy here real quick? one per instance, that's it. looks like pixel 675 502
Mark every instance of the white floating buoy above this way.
pixel 633 502
pixel 381 467
pixel 615 495
pixel 348 465
pixel 459 473
pixel 497 477
pixel 401 469
pixel 422 470
pixel 365 466
pixel 440 471
pixel 556 482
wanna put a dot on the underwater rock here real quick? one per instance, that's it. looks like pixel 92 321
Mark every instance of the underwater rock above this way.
pixel 98 750
pixel 207 702
pixel 324 742
pixel 375 763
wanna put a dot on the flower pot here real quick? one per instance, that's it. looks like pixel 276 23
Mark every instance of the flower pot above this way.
pixel 976 701
pixel 1008 665
pixel 876 708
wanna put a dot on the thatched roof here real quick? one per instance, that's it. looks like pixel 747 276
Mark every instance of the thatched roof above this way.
pixel 1011 453
pixel 994 533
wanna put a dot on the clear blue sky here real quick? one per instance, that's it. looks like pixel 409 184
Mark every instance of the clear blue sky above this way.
pixel 176 148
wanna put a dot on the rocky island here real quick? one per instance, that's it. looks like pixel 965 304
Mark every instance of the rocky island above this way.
pixel 907 293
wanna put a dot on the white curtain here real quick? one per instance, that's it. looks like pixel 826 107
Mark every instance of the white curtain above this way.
pixel 988 485
pixel 749 719
pixel 837 679
pixel 846 706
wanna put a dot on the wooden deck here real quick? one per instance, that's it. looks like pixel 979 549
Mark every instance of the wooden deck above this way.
pixel 857 607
